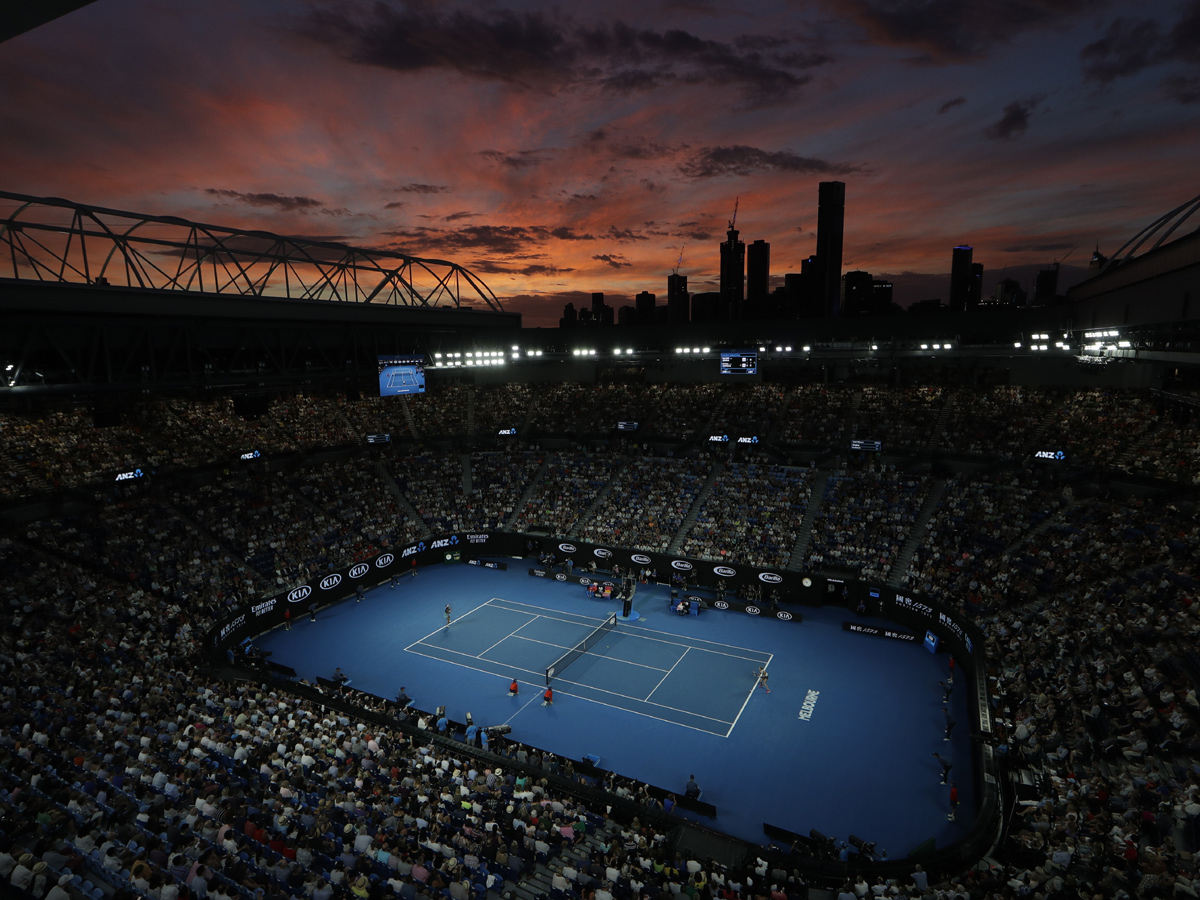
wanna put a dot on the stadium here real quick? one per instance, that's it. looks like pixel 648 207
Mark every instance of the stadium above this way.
pixel 275 563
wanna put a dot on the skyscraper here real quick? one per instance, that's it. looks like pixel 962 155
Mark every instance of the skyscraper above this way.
pixel 857 293
pixel 644 304
pixel 831 219
pixel 960 279
pixel 758 270
pixel 677 298
pixel 733 268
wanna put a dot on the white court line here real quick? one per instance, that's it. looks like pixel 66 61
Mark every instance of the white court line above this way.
pixel 647 715
pixel 770 657
pixel 444 627
pixel 587 620
pixel 696 642
pixel 522 709
pixel 686 712
pixel 521 637
pixel 668 674
pixel 451 662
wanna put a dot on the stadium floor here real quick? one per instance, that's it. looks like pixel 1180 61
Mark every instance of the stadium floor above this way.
pixel 861 764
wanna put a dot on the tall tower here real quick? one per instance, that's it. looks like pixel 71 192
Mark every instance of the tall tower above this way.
pixel 831 219
pixel 960 278
pixel 677 298
pixel 758 270
pixel 733 268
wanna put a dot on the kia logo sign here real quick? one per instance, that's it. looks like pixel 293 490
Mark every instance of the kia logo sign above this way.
pixel 784 615
pixel 681 564
pixel 724 571
pixel 753 610
pixel 358 571
pixel 769 577
pixel 641 559
pixel 384 561
pixel 567 548
pixel 329 582
pixel 602 553
pixel 300 593
pixel 721 604
pixel 560 577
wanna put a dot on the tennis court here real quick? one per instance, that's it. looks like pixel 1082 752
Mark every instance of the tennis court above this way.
pixel 686 681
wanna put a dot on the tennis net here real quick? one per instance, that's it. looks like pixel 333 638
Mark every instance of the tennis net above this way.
pixel 556 668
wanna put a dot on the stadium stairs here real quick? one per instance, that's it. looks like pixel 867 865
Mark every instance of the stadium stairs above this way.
pixel 401 500
pixel 408 417
pixel 804 535
pixel 534 483
pixel 689 520
pixel 465 458
pixel 917 533
pixel 470 418
pixel 597 504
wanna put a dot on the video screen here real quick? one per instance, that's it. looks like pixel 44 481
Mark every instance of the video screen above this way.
pixel 401 375
pixel 739 362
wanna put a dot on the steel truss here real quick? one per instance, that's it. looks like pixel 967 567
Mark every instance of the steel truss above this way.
pixel 51 240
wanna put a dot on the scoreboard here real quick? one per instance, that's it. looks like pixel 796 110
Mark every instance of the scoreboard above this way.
pixel 739 362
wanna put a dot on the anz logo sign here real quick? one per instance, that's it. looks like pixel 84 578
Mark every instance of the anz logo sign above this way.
pixel 126 476
pixel 358 571
pixel 253 454
pixel 300 593
pixel 329 582
pixel 444 542
pixel 1050 454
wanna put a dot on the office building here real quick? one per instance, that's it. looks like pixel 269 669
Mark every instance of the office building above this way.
pixel 831 216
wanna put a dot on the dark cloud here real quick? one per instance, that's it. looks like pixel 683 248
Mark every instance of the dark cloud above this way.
pixel 395 204
pixel 492 267
pixel 695 235
pixel 742 160
pixel 616 260
pixel 273 201
pixel 1044 247
pixel 522 159
pixel 1013 123
pixel 625 234
pixel 1131 46
pixel 950 104
pixel 949 31
pixel 416 188
pixel 581 198
pixel 459 216
pixel 512 241
pixel 1127 48
pixel 550 51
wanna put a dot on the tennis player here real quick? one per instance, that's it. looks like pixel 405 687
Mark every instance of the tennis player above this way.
pixel 762 678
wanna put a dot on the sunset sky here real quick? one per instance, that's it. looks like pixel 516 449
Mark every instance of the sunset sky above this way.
pixel 557 150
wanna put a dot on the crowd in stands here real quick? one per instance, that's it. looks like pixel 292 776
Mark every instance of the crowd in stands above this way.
pixel 646 504
pixel 124 767
pixel 753 514
pixel 865 518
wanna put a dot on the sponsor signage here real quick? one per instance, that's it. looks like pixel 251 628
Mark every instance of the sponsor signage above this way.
pixel 295 595
pixel 359 570
pixel 809 704
pixel 379 438
pixel 252 454
pixel 567 548
pixel 753 610
pixel 602 553
pixel 752 439
pixel 385 560
pixel 719 438
pixel 681 564
pixel 724 571
pixel 441 543
pixel 874 446
pixel 487 563
pixel 129 476
pixel 641 559
pixel 769 577
pixel 539 573
pixel 261 609
pixel 409 551
pixel 627 426
pixel 231 626
pixel 895 634
pixel 507 431
pixel 329 582
pixel 477 538
pixel 1056 455
pixel 915 606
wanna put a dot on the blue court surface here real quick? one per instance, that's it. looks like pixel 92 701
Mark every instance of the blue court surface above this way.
pixel 843 742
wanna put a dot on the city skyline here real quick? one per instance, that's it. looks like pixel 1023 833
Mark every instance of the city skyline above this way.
pixel 560 152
